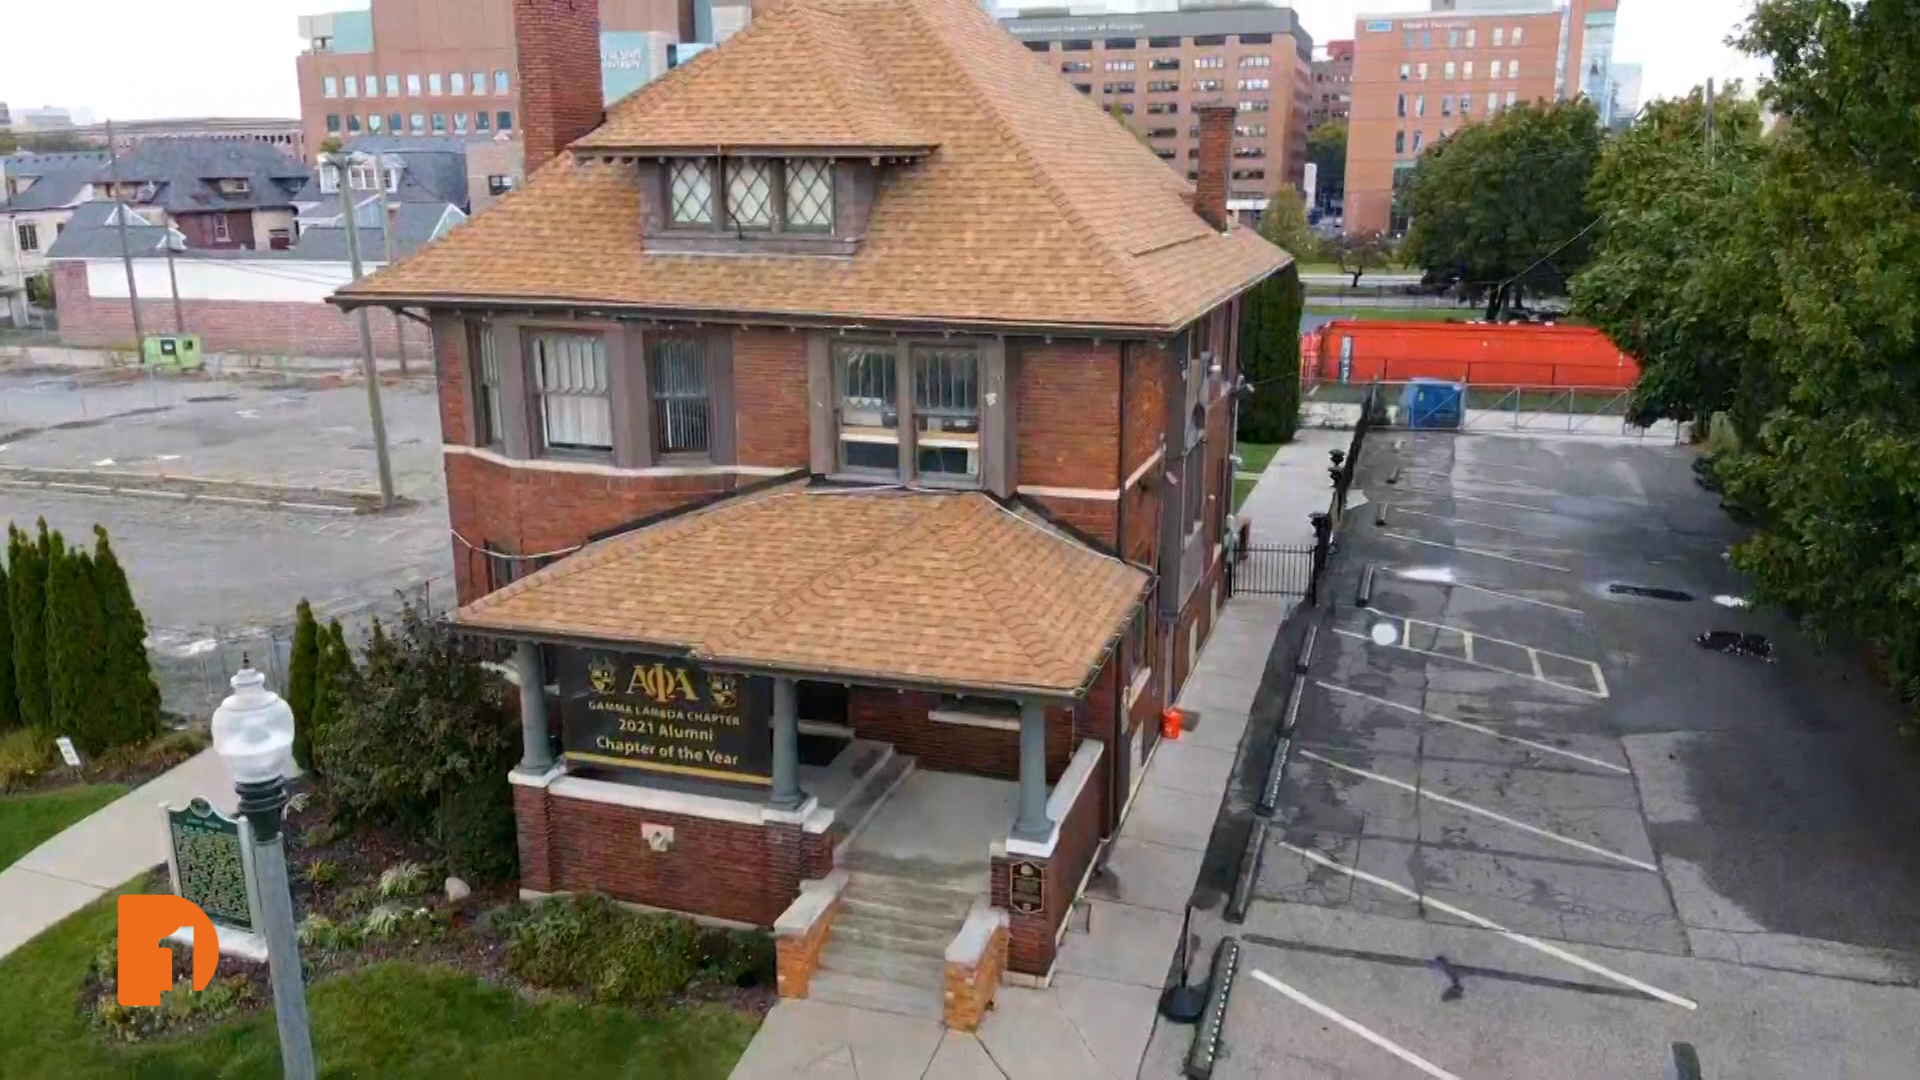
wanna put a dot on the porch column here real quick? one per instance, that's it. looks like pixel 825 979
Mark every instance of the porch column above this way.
pixel 536 753
pixel 786 746
pixel 1031 822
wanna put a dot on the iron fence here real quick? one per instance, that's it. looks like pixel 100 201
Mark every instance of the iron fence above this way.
pixel 193 667
pixel 1273 570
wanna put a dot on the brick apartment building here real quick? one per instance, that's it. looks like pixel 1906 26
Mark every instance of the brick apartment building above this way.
pixel 1154 68
pixel 1332 84
pixel 448 68
pixel 864 401
pixel 1419 77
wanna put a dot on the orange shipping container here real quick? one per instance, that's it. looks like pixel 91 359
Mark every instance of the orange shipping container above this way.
pixel 1510 354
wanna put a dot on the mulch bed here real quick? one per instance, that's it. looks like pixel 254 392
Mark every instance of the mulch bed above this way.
pixel 130 767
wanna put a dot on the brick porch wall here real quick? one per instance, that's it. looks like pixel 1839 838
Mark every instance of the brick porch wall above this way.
pixel 900 718
pixel 1031 937
pixel 225 326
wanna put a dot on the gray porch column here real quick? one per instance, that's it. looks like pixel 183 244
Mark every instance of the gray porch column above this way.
pixel 536 753
pixel 1031 822
pixel 786 746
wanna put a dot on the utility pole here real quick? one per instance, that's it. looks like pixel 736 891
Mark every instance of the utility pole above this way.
pixel 1709 111
pixel 342 164
pixel 126 252
pixel 386 245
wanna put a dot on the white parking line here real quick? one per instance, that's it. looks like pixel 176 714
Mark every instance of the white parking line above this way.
pixel 1401 637
pixel 1380 1041
pixel 1474 551
pixel 1484 923
pixel 1429 793
pixel 1480 728
pixel 1489 502
pixel 1455 583
pixel 1397 509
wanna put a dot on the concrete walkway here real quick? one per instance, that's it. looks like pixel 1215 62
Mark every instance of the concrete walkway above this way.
pixel 100 853
pixel 1094 1019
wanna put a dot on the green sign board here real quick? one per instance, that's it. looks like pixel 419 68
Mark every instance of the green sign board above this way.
pixel 209 863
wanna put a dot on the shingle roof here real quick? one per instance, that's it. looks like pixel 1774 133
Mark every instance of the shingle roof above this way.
pixel 59 178
pixel 413 225
pixel 1036 209
pixel 819 87
pixel 930 589
pixel 181 168
pixel 92 233
pixel 432 170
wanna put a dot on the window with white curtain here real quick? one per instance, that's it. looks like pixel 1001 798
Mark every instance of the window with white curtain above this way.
pixel 575 398
pixel 681 410
pixel 488 422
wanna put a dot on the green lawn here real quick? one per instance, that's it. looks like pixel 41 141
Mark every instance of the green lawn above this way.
pixel 1241 489
pixel 27 820
pixel 388 1020
pixel 1255 456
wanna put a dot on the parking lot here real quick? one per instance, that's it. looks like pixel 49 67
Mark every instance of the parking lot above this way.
pixel 1531 828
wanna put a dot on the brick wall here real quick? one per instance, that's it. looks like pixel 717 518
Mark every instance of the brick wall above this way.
pixel 770 398
pixel 532 511
pixel 900 718
pixel 719 869
pixel 558 49
pixel 1030 937
pixel 224 326
pixel 1097 518
pixel 1067 415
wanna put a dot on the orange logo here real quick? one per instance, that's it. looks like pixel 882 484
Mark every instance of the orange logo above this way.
pixel 146 965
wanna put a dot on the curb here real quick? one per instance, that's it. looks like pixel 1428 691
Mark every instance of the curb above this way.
pixel 333 501
pixel 1206 1038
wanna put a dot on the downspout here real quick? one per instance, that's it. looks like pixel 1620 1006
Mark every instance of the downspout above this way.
pixel 1112 826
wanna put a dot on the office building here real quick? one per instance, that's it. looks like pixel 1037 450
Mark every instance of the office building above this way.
pixel 1153 68
pixel 281 133
pixel 1419 77
pixel 1332 84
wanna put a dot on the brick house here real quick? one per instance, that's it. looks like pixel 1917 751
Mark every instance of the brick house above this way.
pixel 220 194
pixel 855 399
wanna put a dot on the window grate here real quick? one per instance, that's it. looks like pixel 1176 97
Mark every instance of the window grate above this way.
pixel 750 193
pixel 576 407
pixel 809 194
pixel 946 405
pixel 681 413
pixel 869 429
pixel 691 192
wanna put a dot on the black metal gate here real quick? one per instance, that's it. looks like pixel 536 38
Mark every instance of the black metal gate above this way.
pixel 1271 570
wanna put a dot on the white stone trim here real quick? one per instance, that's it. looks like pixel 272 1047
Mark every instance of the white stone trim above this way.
pixel 972 719
pixel 686 804
pixel 521 778
pixel 969 946
pixel 1096 494
pixel 1143 469
pixel 1059 804
pixel 807 909
pixel 589 468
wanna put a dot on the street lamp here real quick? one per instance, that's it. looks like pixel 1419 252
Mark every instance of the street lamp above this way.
pixel 253 734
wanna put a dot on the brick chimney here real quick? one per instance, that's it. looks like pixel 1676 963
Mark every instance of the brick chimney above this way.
pixel 1216 157
pixel 557 43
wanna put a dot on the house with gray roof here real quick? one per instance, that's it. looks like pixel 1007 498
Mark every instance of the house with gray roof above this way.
pixel 413 171
pixel 220 194
pixel 38 194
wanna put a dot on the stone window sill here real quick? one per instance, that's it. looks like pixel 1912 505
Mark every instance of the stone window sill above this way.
pixel 972 719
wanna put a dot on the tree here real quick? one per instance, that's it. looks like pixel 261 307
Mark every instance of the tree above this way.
pixel 1661 284
pixel 9 700
pixel 331 145
pixel 1327 150
pixel 1284 224
pixel 301 668
pixel 333 669
pixel 29 559
pixel 76 641
pixel 1126 121
pixel 1270 411
pixel 1505 202
pixel 131 712
pixel 1357 253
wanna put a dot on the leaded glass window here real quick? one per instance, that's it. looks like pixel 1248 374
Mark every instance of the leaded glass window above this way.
pixel 750 193
pixel 690 194
pixel 809 194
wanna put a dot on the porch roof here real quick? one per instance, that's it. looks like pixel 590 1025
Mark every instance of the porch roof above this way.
pixel 937 589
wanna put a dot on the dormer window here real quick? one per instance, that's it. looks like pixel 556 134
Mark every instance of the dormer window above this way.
pixel 760 194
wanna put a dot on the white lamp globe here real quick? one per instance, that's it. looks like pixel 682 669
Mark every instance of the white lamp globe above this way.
pixel 253 730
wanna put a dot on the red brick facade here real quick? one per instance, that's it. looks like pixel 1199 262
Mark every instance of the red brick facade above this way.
pixel 720 869
pixel 1031 937
pixel 559 64
pixel 1067 402
pixel 770 397
pixel 225 326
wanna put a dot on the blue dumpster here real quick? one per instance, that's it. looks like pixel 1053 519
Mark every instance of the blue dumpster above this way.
pixel 1433 403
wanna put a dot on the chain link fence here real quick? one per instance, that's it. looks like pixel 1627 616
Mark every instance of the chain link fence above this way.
pixel 194 667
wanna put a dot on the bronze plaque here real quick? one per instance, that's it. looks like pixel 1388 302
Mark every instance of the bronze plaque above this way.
pixel 1027 887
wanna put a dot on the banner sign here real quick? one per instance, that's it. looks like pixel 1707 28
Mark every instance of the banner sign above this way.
pixel 665 714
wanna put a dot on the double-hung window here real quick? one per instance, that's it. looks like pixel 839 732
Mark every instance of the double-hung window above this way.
pixel 682 413
pixel 489 423
pixel 946 410
pixel 867 409
pixel 574 395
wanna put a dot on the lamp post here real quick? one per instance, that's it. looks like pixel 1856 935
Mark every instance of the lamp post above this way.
pixel 253 734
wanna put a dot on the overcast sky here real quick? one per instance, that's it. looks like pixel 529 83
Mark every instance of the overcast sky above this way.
pixel 144 59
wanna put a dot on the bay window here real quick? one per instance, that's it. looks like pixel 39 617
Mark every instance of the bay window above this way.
pixel 866 409
pixel 946 410
pixel 682 416
pixel 574 396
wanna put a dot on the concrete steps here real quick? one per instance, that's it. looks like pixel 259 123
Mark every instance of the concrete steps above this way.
pixel 869 792
pixel 887 947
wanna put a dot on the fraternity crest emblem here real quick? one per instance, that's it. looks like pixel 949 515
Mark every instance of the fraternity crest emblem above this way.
pixel 724 690
pixel 601 673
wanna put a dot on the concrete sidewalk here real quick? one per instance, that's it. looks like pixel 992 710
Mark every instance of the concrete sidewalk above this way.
pixel 100 853
pixel 1094 1019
